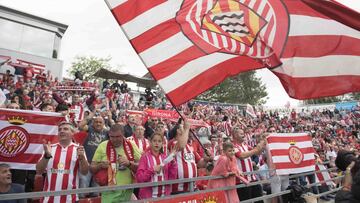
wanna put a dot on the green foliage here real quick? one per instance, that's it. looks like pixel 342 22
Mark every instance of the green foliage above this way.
pixel 244 88
pixel 355 95
pixel 89 65
pixel 323 100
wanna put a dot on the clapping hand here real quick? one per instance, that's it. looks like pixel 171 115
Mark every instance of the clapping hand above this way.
pixel 47 148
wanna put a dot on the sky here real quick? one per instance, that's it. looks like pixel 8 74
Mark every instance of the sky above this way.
pixel 93 31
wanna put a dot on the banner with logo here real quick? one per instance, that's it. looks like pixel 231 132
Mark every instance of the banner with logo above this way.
pixel 217 196
pixel 22 133
pixel 166 114
pixel 291 153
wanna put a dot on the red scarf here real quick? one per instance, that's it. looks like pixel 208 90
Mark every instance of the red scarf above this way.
pixel 144 146
pixel 112 157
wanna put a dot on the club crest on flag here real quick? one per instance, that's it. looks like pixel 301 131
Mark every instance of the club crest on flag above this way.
pixel 295 155
pixel 234 27
pixel 14 140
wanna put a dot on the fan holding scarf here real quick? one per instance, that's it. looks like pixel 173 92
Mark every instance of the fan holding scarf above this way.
pixel 114 163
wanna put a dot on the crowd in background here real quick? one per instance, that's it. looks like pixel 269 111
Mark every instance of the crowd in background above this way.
pixel 96 113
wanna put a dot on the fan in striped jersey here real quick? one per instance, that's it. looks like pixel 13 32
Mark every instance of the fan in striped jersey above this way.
pixel 291 153
pixel 191 45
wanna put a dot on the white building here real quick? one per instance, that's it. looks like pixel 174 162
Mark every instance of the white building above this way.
pixel 29 39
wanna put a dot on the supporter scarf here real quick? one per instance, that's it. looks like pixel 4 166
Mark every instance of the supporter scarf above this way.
pixel 140 140
pixel 112 157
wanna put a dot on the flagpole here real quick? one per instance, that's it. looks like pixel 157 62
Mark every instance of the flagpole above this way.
pixel 142 61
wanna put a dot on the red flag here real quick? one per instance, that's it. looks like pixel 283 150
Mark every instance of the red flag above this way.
pixel 22 133
pixel 191 45
pixel 321 57
pixel 291 153
pixel 336 11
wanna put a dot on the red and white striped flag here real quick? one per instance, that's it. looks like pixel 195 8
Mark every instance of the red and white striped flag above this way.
pixel 22 133
pixel 291 153
pixel 191 45
pixel 323 176
pixel 321 56
pixel 186 53
pixel 250 111
pixel 26 64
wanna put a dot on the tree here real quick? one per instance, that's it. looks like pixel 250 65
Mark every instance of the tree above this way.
pixel 355 95
pixel 88 66
pixel 244 88
pixel 322 100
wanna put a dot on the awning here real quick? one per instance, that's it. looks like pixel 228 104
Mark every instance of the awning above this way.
pixel 141 81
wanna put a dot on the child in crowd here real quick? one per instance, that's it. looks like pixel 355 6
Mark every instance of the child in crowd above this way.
pixel 152 168
pixel 202 184
pixel 226 166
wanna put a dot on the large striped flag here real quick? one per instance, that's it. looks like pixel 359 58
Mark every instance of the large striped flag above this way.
pixel 322 56
pixel 291 153
pixel 22 133
pixel 191 45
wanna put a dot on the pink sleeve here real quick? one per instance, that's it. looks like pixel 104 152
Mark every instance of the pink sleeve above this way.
pixel 144 172
pixel 172 168
pixel 221 167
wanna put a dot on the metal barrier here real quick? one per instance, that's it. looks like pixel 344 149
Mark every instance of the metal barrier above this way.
pixel 152 184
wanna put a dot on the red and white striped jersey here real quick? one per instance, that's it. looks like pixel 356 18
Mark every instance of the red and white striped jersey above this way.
pixel 245 165
pixel 142 144
pixel 250 140
pixel 157 191
pixel 62 173
pixel 78 111
pixel 186 160
pixel 125 99
pixel 226 126
pixel 165 145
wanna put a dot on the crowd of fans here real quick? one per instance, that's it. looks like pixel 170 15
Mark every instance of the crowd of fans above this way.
pixel 102 143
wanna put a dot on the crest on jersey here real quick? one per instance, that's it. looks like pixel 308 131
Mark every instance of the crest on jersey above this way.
pixel 14 140
pixel 237 27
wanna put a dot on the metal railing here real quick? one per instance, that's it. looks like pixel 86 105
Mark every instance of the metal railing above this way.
pixel 33 195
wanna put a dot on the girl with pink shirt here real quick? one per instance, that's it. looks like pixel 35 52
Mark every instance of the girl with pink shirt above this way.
pixel 154 166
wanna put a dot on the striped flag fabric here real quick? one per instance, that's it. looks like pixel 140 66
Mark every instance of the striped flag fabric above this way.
pixel 22 133
pixel 323 176
pixel 189 46
pixel 250 111
pixel 183 57
pixel 291 153
pixel 4 59
pixel 26 64
pixel 321 57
